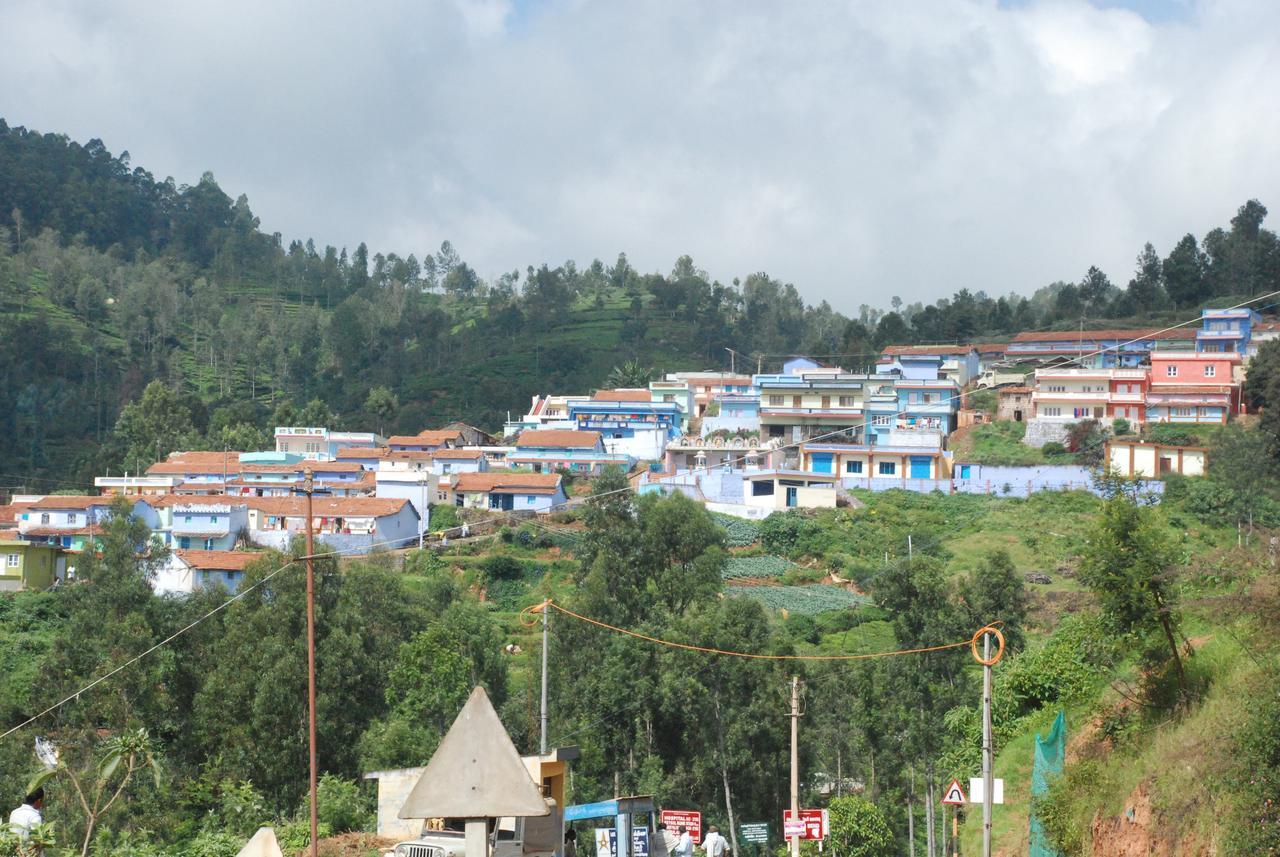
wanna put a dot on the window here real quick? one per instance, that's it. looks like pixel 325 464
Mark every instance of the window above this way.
pixel 848 401
pixel 1171 371
pixel 442 495
pixel 208 544
pixel 1182 412
pixel 529 501
pixel 854 467
pixel 882 421
pixel 444 468
pixel 762 488
pixel 187 519
pixel 1057 388
pixel 583 467
pixel 72 517
pixel 775 400
pixel 213 520
pixel 1053 412
pixel 796 401
pixel 1210 370
pixel 13 560
pixel 184 543
pixel 44 517
pixel 888 468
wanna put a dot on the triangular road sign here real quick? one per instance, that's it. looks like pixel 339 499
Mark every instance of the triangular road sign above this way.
pixel 954 794
pixel 475 772
pixel 263 844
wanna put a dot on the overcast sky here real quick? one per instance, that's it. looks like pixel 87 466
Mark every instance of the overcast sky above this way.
pixel 859 150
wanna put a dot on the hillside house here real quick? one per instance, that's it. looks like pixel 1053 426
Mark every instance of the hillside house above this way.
pixel 1225 331
pixel 409 477
pixel 1195 387
pixel 580 452
pixel 186 571
pixel 706 387
pixel 1136 460
pixel 958 363
pixel 356 523
pixel 1097 349
pixel 544 412
pixel 210 523
pixel 798 407
pixel 629 422
pixel 790 489
pixel 458 460
pixel 317 443
pixel 730 454
pixel 72 521
pixel 1071 395
pixel 508 492
pixel 429 440
pixel 1015 404
pixel 28 565
pixel 880 461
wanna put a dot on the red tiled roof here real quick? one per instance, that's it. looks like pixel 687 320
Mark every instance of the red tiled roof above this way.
pixel 1094 335
pixel 523 483
pixel 558 438
pixel 184 466
pixel 210 456
pixel 362 452
pixel 424 439
pixel 1158 388
pixel 10 513
pixel 58 531
pixel 623 394
pixel 991 347
pixel 218 560
pixel 74 501
pixel 1014 390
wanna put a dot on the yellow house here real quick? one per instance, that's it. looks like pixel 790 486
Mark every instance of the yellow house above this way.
pixel 28 565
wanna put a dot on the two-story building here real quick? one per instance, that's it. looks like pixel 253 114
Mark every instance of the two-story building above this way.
pixel 958 363
pixel 74 521
pixel 1196 387
pixel 1071 395
pixel 900 454
pixel 629 422
pixel 205 522
pixel 929 406
pixel 706 387
pixel 429 440
pixel 1227 331
pixel 365 523
pixel 797 407
pixel 579 452
pixel 458 460
pixel 317 443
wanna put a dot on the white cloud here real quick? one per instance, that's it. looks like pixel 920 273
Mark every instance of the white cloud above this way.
pixel 860 150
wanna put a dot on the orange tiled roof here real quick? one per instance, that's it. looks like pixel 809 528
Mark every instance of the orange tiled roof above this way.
pixel 219 560
pixel 1093 335
pixel 558 438
pixel 327 507
pixel 623 394
pixel 524 483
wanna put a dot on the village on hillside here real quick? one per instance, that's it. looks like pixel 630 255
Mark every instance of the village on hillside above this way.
pixel 929 418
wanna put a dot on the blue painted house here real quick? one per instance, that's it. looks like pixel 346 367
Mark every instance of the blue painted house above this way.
pixel 629 422
pixel 550 450
pixel 1226 330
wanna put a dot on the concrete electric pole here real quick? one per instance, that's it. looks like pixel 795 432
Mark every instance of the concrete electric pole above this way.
pixel 795 761
pixel 309 488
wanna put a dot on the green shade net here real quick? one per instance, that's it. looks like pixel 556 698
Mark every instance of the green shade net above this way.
pixel 1050 754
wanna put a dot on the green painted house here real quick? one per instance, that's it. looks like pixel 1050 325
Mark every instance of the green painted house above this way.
pixel 26 565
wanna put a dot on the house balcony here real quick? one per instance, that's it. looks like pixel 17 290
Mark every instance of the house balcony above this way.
pixel 1128 398
pixel 1220 334
pixel 202 530
pixel 940 409
pixel 1072 396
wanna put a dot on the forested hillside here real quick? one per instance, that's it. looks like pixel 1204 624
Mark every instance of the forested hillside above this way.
pixel 110 279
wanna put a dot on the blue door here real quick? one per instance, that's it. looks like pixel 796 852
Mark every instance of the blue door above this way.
pixel 822 462
pixel 919 467
pixel 791 496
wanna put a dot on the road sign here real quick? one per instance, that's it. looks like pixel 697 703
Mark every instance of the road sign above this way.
pixel 755 831
pixel 815 823
pixel 954 795
pixel 976 791
pixel 689 819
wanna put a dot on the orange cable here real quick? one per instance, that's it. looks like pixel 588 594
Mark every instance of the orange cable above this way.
pixel 538 608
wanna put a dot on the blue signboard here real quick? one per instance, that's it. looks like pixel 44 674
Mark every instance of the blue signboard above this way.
pixel 639 841
pixel 600 809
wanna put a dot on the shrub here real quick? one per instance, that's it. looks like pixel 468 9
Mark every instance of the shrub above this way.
pixel 1053 448
pixel 802 629
pixel 500 567
pixel 341 805
pixel 781 532
pixel 1120 426
pixel 442 516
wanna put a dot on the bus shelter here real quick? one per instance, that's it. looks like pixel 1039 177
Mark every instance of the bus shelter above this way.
pixel 628 836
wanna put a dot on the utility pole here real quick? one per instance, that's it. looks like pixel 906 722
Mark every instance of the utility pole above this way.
pixel 987 782
pixel 422 512
pixel 795 760
pixel 308 487
pixel 546 613
pixel 732 354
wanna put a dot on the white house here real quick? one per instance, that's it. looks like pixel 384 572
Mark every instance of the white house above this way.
pixel 359 524
pixel 790 489
pixel 189 570
pixel 207 522
pixel 508 492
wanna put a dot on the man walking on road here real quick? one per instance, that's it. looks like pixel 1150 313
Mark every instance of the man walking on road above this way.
pixel 714 844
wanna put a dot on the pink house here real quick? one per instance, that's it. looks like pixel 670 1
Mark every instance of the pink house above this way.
pixel 1193 387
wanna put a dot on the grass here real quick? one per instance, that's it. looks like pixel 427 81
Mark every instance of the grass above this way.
pixel 1000 443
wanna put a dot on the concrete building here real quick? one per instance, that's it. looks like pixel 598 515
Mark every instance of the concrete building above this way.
pixel 629 422
pixel 508 492
pixel 1195 387
pixel 317 443
pixel 551 450
pixel 790 489
pixel 185 571
pixel 1136 460
pixel 1096 349
pixel 28 565
pixel 721 453
pixel 1015 404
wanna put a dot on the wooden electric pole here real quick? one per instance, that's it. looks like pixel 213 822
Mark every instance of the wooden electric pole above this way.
pixel 542 742
pixel 308 487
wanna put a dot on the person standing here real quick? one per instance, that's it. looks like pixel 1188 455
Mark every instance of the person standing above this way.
pixel 714 844
pixel 27 816
pixel 684 845
pixel 571 843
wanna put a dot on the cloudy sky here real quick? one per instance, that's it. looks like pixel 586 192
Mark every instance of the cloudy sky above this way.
pixel 858 149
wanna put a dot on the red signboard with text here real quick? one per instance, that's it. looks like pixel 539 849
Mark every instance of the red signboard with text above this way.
pixel 815 822
pixel 690 820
